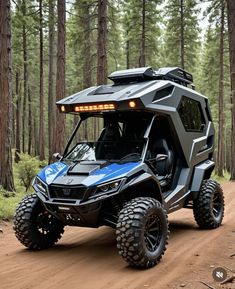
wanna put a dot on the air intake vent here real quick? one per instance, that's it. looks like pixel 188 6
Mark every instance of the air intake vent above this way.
pixel 67 192
pixel 107 89
pixel 163 93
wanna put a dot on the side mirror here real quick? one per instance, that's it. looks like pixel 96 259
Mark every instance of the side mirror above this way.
pixel 57 156
pixel 161 157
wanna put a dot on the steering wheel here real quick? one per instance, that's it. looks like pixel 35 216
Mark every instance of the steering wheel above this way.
pixel 131 155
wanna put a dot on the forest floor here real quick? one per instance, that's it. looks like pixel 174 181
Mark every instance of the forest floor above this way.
pixel 87 258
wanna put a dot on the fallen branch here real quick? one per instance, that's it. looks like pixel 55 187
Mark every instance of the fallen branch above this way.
pixel 229 269
pixel 229 279
pixel 209 286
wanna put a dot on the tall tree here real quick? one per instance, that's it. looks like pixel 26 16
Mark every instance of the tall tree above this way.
pixel 41 88
pixel 6 176
pixel 25 61
pixel 30 126
pixel 51 98
pixel 60 78
pixel 231 29
pixel 221 148
pixel 142 60
pixel 141 31
pixel 102 42
pixel 182 33
pixel 18 123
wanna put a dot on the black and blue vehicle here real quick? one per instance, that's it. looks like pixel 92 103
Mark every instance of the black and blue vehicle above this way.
pixel 150 154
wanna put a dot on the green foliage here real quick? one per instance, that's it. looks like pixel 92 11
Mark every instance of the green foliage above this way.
pixel 132 30
pixel 221 180
pixel 8 205
pixel 173 37
pixel 27 168
pixel 6 194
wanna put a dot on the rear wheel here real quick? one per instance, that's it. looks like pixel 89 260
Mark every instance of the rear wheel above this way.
pixel 34 226
pixel 142 232
pixel 208 208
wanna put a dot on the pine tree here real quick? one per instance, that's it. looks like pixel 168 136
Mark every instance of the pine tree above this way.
pixel 181 40
pixel 51 76
pixel 231 29
pixel 141 32
pixel 215 71
pixel 6 175
pixel 102 42
pixel 41 88
pixel 59 132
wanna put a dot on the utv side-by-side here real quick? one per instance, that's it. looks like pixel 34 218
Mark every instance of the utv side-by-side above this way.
pixel 142 149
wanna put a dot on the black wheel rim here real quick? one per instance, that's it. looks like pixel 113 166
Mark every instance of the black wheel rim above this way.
pixel 217 205
pixel 153 232
pixel 45 222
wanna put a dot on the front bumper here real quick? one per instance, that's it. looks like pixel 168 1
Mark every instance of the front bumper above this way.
pixel 82 211
pixel 72 212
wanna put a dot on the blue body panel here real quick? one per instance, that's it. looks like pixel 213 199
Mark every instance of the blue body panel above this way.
pixel 53 171
pixel 113 171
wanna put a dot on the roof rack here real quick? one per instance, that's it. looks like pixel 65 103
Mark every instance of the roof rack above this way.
pixel 174 74
pixel 132 75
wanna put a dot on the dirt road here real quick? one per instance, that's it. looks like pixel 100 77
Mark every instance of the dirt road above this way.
pixel 87 258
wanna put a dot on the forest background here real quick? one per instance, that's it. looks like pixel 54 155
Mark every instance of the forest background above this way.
pixel 54 48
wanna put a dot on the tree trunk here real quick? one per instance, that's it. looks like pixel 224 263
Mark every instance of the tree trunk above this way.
pixel 18 126
pixel 59 136
pixel 220 151
pixel 35 134
pixel 29 122
pixel 142 61
pixel 25 60
pixel 51 98
pixel 41 103
pixel 182 54
pixel 87 68
pixel 102 43
pixel 127 52
pixel 13 140
pixel 6 175
pixel 231 29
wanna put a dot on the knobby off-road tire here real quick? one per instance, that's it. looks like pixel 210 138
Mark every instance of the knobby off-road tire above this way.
pixel 208 208
pixel 142 232
pixel 35 227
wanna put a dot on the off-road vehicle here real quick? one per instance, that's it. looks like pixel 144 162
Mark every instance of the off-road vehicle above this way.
pixel 143 148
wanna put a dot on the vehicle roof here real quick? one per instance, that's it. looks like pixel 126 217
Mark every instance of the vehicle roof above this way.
pixel 143 85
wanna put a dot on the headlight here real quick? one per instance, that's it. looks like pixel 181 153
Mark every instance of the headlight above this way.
pixel 108 187
pixel 39 185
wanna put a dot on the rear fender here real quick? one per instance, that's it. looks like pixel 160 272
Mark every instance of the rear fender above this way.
pixel 201 172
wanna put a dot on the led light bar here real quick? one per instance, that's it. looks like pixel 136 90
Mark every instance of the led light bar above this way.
pixel 94 107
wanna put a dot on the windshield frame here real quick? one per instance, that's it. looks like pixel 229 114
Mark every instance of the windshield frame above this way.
pixel 84 117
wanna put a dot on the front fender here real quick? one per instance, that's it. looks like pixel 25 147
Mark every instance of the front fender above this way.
pixel 144 185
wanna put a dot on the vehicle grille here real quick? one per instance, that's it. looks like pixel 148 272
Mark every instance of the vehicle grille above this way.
pixel 67 193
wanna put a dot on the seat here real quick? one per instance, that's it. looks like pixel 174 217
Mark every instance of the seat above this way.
pixel 163 166
pixel 107 141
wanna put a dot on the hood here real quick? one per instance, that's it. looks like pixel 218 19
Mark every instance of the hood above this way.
pixel 83 174
pixel 53 171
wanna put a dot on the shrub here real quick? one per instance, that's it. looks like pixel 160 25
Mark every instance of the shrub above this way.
pixel 27 168
pixel 5 193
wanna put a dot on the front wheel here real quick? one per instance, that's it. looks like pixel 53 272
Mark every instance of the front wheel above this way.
pixel 208 208
pixel 142 232
pixel 34 226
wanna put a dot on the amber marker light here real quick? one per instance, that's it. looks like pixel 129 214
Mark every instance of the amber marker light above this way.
pixel 132 104
pixel 62 108
pixel 94 107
